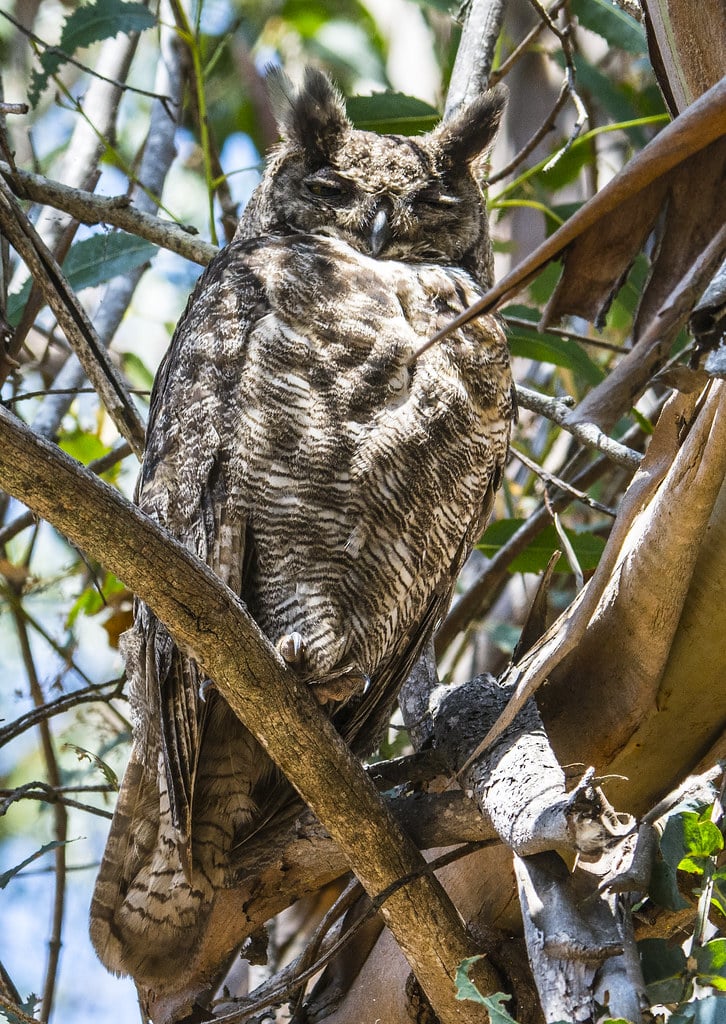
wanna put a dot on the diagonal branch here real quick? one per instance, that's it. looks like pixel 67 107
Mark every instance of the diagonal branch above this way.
pixel 204 616
pixel 72 318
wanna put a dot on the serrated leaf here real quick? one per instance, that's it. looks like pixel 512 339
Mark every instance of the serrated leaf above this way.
pixel 664 970
pixel 393 113
pixel 26 1007
pixel 612 23
pixel 88 24
pixel 711 964
pixel 87 755
pixel 542 347
pixel 90 262
pixel 6 876
pixel 587 546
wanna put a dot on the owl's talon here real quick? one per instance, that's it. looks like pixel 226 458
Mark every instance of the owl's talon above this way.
pixel 291 648
pixel 204 688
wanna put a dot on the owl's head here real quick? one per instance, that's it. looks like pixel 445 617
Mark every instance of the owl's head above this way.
pixel 389 196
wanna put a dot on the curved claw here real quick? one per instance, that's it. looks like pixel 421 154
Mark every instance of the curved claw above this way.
pixel 204 688
pixel 291 647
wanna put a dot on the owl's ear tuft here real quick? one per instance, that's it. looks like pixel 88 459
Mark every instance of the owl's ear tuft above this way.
pixel 472 129
pixel 313 116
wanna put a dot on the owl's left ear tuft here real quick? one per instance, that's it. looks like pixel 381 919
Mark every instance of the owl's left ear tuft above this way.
pixel 472 129
pixel 313 116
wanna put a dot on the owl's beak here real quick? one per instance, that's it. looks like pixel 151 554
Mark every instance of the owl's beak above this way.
pixel 380 231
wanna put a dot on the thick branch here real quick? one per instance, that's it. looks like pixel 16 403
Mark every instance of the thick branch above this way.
pixel 205 617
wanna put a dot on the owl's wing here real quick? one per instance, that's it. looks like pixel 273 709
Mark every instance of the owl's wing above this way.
pixel 183 486
pixel 147 900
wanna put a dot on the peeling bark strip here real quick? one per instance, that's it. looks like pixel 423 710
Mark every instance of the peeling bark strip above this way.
pixel 205 617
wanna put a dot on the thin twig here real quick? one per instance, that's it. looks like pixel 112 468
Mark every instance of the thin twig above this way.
pixel 88 695
pixel 61 817
pixel 588 434
pixel 545 128
pixel 561 332
pixel 25 395
pixel 48 794
pixel 73 319
pixel 551 480
pixel 521 48
pixel 78 64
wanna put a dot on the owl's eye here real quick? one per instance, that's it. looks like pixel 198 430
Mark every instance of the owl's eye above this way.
pixel 329 188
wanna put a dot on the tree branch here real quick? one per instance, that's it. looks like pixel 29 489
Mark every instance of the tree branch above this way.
pixel 117 211
pixel 205 617
pixel 72 318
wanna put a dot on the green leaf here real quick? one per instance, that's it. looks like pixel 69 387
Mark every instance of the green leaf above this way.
pixel 612 23
pixel 90 602
pixel 87 755
pixel 711 963
pixel 588 547
pixel 136 372
pixel 466 989
pixel 701 839
pixel 88 24
pixel 392 113
pixel 90 262
pixel 719 890
pixel 664 970
pixel 543 347
pixel 103 256
pixel 82 445
pixel 12 872
pixel 664 883
pixel 711 1010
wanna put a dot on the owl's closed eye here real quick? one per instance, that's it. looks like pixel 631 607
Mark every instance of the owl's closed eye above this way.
pixel 389 196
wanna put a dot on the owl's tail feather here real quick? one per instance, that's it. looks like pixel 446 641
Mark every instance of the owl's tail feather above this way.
pixel 144 908
pixel 148 905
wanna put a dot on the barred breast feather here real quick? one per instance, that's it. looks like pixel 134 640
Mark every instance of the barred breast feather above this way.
pixel 332 483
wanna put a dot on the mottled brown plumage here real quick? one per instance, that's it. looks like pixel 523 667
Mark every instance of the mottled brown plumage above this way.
pixel 334 487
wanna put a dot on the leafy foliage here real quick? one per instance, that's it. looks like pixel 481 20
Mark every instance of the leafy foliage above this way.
pixel 87 24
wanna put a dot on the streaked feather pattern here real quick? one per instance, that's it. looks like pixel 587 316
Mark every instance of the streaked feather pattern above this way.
pixel 332 486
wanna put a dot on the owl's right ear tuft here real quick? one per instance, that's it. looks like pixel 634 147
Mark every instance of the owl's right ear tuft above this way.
pixel 312 116
pixel 472 129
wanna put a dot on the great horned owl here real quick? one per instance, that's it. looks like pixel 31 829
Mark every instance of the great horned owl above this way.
pixel 333 482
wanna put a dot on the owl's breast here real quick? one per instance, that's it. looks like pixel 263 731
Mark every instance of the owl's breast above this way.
pixel 362 476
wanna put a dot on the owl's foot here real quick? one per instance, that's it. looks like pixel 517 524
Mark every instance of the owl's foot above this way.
pixel 291 648
pixel 340 688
